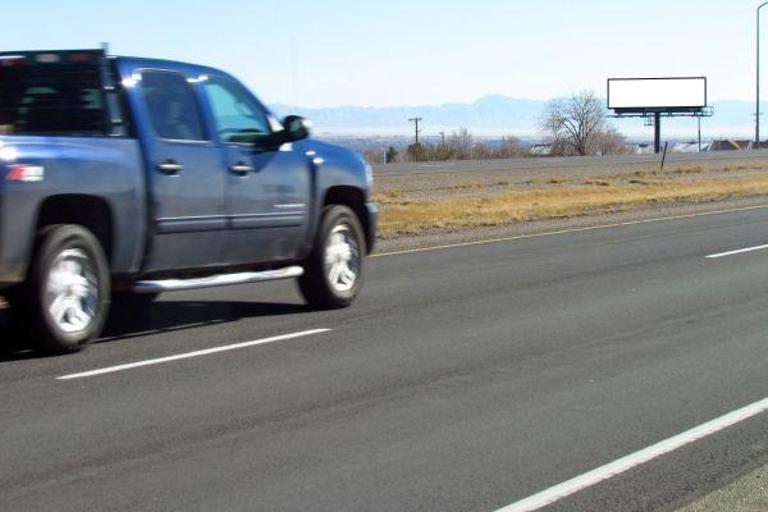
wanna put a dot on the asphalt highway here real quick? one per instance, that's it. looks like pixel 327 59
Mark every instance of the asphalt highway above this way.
pixel 528 164
pixel 465 379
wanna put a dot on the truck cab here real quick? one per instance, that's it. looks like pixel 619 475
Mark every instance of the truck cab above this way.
pixel 122 178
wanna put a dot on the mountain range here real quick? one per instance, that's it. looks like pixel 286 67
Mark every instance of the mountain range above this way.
pixel 503 115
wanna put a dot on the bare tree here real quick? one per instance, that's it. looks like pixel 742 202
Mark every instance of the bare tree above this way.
pixel 510 147
pixel 417 152
pixel 611 142
pixel 460 144
pixel 573 123
pixel 374 156
pixel 391 155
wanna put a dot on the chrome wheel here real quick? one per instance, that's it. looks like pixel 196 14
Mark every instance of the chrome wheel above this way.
pixel 72 291
pixel 342 259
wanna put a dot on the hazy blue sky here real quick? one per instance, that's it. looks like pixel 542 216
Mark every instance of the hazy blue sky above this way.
pixel 401 52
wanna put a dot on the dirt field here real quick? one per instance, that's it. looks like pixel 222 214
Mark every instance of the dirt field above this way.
pixel 450 202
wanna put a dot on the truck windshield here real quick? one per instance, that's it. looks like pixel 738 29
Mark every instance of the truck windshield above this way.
pixel 63 99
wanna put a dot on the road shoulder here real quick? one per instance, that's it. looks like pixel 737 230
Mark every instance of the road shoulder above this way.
pixel 748 494
pixel 437 238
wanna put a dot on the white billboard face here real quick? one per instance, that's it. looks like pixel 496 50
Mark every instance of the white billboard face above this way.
pixel 649 93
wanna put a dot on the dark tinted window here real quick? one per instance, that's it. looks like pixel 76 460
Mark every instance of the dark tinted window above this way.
pixel 172 106
pixel 238 117
pixel 51 99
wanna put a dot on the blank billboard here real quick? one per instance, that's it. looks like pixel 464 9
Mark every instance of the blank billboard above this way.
pixel 657 93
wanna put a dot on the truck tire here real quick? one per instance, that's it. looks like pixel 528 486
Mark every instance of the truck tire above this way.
pixel 333 272
pixel 65 300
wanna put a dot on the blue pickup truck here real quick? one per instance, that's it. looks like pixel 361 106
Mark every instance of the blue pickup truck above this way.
pixel 122 178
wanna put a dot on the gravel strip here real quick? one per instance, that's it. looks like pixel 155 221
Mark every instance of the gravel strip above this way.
pixel 749 494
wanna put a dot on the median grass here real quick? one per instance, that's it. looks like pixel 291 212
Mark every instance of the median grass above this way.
pixel 400 215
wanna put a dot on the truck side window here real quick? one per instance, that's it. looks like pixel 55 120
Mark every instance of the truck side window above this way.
pixel 46 99
pixel 239 118
pixel 172 106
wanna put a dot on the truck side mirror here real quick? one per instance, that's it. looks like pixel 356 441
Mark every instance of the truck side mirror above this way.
pixel 296 128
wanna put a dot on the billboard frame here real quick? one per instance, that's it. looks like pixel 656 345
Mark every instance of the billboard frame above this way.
pixel 658 112
pixel 659 108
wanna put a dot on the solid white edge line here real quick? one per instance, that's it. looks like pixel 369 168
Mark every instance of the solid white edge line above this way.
pixel 739 251
pixel 570 230
pixel 187 355
pixel 558 492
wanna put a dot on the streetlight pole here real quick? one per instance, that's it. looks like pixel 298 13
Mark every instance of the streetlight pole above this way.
pixel 757 84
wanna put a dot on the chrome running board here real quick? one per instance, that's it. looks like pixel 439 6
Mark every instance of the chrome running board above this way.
pixel 176 285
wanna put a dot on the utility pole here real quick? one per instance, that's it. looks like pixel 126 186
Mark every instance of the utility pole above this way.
pixel 416 121
pixel 442 136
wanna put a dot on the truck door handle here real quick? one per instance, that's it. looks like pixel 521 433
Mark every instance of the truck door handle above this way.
pixel 170 167
pixel 241 169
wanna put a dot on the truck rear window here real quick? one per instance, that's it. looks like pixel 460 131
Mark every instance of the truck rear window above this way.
pixel 58 98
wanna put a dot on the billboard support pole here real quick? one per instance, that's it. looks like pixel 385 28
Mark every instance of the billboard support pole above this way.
pixel 657 132
pixel 699 119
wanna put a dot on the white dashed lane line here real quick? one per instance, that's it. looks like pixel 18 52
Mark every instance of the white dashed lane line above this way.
pixel 579 483
pixel 737 252
pixel 189 355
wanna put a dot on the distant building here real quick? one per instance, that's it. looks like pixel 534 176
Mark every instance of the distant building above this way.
pixel 730 145
pixel 541 150
pixel 686 147
pixel 643 149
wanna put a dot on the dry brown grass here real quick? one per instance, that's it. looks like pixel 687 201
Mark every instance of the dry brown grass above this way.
pixel 598 183
pixel 689 170
pixel 391 194
pixel 417 216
